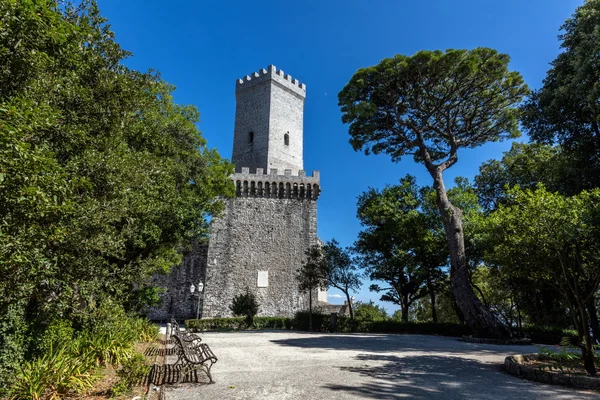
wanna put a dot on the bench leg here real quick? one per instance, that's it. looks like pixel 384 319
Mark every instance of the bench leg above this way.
pixel 207 370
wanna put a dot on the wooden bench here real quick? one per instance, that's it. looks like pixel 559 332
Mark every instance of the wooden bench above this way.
pixel 193 355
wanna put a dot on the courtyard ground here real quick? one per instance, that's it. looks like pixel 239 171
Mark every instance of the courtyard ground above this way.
pixel 281 365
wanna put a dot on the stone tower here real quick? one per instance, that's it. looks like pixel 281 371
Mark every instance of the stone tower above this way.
pixel 268 122
pixel 259 242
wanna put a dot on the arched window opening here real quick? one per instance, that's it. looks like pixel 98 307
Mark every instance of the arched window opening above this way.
pixel 286 139
pixel 250 137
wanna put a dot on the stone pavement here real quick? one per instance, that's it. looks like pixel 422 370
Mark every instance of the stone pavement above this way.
pixel 282 365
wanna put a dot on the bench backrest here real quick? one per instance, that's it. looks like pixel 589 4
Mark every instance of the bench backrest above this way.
pixel 193 351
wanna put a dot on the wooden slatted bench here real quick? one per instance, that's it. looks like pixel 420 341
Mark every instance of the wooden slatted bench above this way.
pixel 193 355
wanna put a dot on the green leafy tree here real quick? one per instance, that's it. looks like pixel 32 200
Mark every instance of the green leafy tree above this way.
pixel 566 110
pixel 526 165
pixel 103 178
pixel 369 312
pixel 329 265
pixel 310 277
pixel 339 271
pixel 402 243
pixel 245 305
pixel 555 239
pixel 429 106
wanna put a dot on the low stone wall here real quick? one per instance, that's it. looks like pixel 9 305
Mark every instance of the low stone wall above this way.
pixel 514 365
pixel 471 339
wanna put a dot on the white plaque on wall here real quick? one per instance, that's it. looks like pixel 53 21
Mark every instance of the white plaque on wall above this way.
pixel 263 279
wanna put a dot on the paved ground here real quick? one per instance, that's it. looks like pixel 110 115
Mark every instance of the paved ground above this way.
pixel 294 365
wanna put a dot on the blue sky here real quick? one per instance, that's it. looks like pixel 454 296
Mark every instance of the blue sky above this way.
pixel 203 46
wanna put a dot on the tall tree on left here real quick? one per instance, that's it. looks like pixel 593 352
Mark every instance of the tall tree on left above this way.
pixel 103 178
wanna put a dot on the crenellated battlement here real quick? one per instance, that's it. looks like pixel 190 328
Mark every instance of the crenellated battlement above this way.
pixel 274 185
pixel 271 73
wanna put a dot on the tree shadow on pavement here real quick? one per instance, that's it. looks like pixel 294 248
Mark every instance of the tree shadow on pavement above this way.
pixel 442 377
pixel 384 343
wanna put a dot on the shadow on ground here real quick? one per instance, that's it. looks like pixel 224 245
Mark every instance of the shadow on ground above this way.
pixel 385 343
pixel 437 377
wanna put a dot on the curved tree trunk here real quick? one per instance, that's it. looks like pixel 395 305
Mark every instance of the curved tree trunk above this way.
pixel 350 305
pixel 477 316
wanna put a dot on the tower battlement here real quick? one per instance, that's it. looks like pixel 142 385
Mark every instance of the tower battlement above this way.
pixel 274 185
pixel 271 73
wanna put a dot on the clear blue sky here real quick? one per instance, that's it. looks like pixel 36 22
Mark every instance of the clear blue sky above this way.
pixel 203 46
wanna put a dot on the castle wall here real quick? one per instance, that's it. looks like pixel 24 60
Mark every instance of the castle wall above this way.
pixel 267 227
pixel 176 300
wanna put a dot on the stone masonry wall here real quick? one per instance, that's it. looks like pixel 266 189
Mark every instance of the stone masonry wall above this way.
pixel 177 302
pixel 270 104
pixel 262 231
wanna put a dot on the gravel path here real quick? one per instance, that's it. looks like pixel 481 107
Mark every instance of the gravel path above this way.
pixel 293 365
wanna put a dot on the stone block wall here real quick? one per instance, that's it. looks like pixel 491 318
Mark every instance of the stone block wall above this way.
pixel 262 231
pixel 177 302
pixel 270 104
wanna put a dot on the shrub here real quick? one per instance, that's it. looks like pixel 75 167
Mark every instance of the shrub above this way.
pixel 59 333
pixel 13 342
pixel 106 347
pixel 549 334
pixel 238 323
pixel 145 330
pixel 273 323
pixel 245 305
pixel 54 374
pixel 134 370
pixel 320 322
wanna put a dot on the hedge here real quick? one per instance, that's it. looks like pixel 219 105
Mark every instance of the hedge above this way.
pixel 238 323
pixel 549 334
pixel 321 323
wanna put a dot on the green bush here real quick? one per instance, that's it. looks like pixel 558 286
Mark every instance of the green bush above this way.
pixel 320 322
pixel 145 330
pixel 245 305
pixel 134 370
pixel 59 333
pixel 273 323
pixel 13 343
pixel 54 374
pixel 549 334
pixel 238 323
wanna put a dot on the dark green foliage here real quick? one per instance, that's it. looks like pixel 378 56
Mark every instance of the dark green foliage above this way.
pixel 14 342
pixel 320 322
pixel 134 370
pixel 103 178
pixel 245 305
pixel 525 165
pixel 566 110
pixel 554 240
pixel 400 106
pixel 549 335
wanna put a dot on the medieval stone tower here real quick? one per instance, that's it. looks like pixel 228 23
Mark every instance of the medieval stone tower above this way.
pixel 260 240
